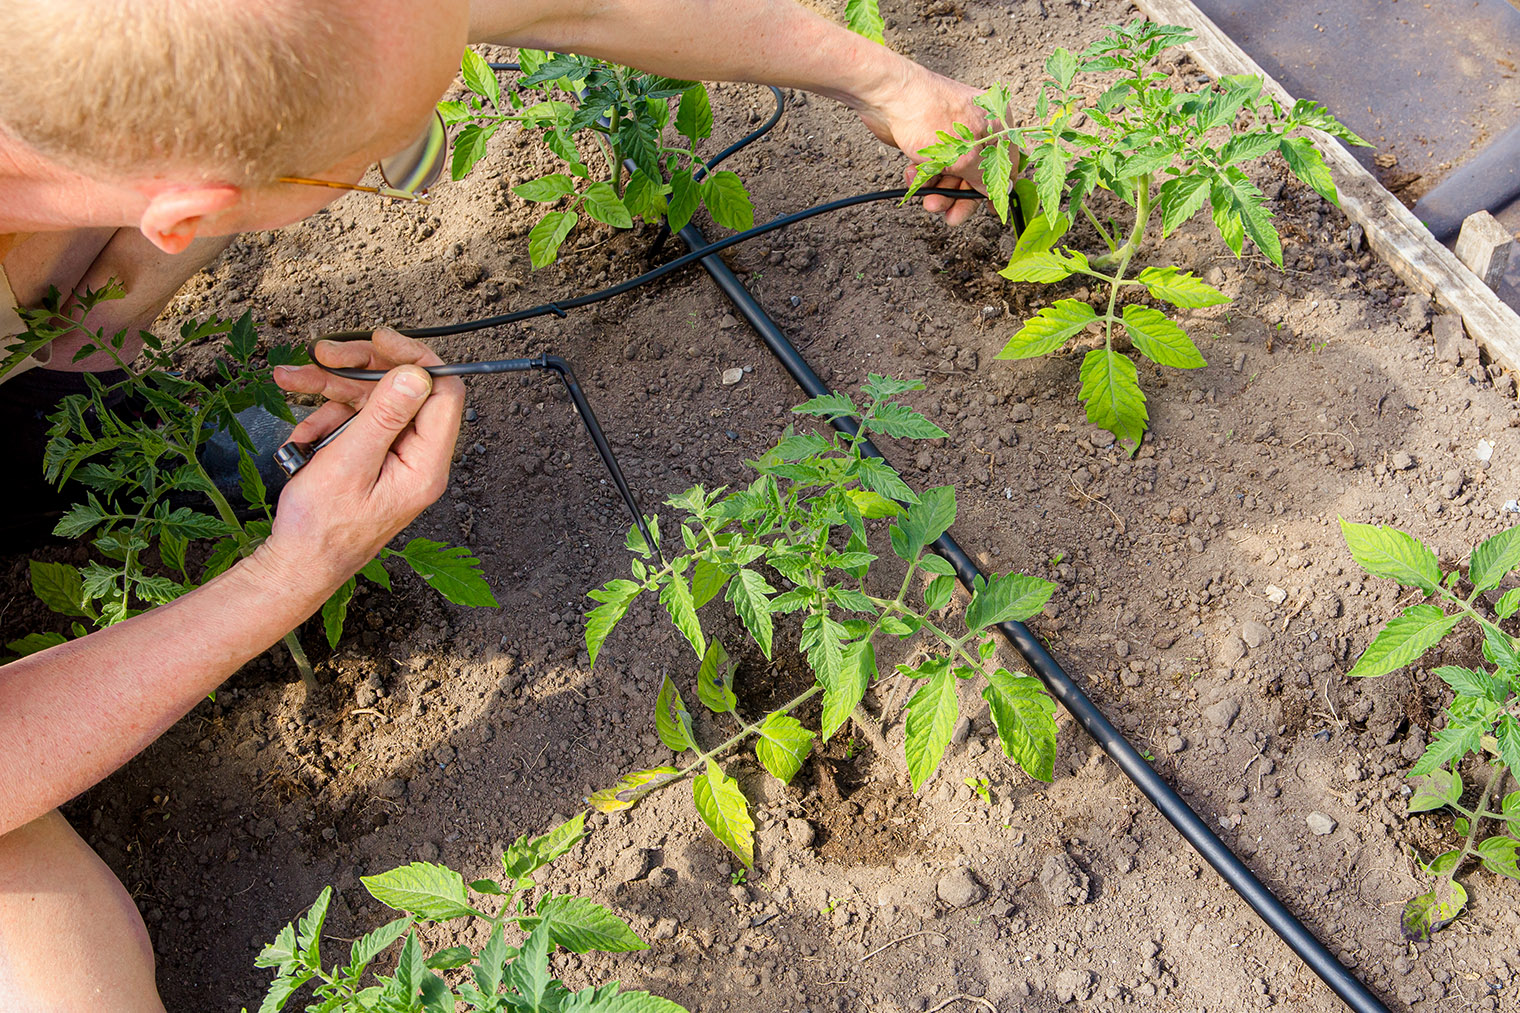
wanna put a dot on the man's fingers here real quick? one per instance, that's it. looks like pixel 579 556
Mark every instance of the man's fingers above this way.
pixel 389 410
pixel 397 347
pixel 345 354
pixel 320 422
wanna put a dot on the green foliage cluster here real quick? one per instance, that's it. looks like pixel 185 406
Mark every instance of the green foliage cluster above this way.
pixel 497 978
pixel 134 446
pixel 1157 149
pixel 805 520
pixel 579 104
pixel 1483 719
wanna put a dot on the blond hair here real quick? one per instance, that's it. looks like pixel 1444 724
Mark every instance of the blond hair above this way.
pixel 234 90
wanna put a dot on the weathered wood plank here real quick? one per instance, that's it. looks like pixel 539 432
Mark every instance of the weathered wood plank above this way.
pixel 1392 231
pixel 1485 247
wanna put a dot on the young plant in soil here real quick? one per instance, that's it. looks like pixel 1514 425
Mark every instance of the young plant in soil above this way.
pixel 501 978
pixel 807 521
pixel 1159 149
pixel 580 104
pixel 1483 719
pixel 157 522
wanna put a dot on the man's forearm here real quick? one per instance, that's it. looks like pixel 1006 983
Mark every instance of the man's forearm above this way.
pixel 74 713
pixel 771 41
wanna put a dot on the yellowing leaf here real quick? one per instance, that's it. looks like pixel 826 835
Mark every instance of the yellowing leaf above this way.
pixel 1049 329
pixel 725 810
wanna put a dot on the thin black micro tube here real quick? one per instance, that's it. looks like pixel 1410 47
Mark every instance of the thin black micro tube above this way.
pixel 1060 685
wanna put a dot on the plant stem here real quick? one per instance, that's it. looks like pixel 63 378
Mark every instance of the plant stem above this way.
pixel 744 732
pixel 303 665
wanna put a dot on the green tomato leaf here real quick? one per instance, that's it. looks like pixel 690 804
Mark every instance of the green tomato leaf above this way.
pixel 1111 388
pixel 60 587
pixel 1305 162
pixel 369 946
pixel 932 712
pixel 694 118
pixel 823 643
pixel 1462 735
pixel 727 201
pixel 582 926
pixel 864 18
pixel 685 197
pixel 892 419
pixel 1006 597
pixel 1159 339
pixel 430 892
pixel 1180 288
pixel 615 597
pixel 724 809
pixel 1024 716
pixel 545 238
pixel 546 189
pixel 1062 65
pixel 1049 329
pixel 997 176
pixel 747 592
pixel 1436 790
pixel 1494 559
pixel 480 78
pixel 842 696
pixel 1388 552
pixel 1467 682
pixel 1043 267
pixel 783 745
pixel 715 680
pixel 448 569
pixel 1240 206
pixel 1508 604
pixel 33 643
pixel 335 612
pixel 1499 855
pixel 1404 640
pixel 671 719
pixel 602 204
pixel 925 521
pixel 682 609
pixel 1507 735
pixel 469 148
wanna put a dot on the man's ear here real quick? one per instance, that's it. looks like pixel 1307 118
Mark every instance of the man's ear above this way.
pixel 172 217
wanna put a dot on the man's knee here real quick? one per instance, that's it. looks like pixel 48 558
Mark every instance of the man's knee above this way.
pixel 70 937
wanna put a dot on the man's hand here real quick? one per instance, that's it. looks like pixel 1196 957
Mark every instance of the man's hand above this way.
pixel 908 117
pixel 382 471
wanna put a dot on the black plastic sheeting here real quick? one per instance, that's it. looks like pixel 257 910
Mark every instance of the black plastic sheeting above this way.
pixel 1435 86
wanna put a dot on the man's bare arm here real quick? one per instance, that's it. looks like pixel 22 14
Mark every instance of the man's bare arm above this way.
pixel 72 714
pixel 783 43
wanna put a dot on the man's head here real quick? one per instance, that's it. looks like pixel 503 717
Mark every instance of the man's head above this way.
pixel 183 113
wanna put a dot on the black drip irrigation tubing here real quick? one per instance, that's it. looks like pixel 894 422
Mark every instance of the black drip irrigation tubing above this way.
pixel 1060 685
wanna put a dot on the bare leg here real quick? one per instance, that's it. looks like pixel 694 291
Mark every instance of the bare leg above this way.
pixel 88 258
pixel 70 937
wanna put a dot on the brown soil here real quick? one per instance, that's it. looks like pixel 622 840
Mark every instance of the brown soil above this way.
pixel 441 733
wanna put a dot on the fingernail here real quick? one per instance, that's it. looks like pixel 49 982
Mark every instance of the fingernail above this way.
pixel 413 383
pixel 285 369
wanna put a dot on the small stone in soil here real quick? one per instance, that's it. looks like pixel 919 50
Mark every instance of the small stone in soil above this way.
pixel 732 376
pixel 1320 824
pixel 1254 633
pixel 1063 880
pixel 1222 714
pixel 959 888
